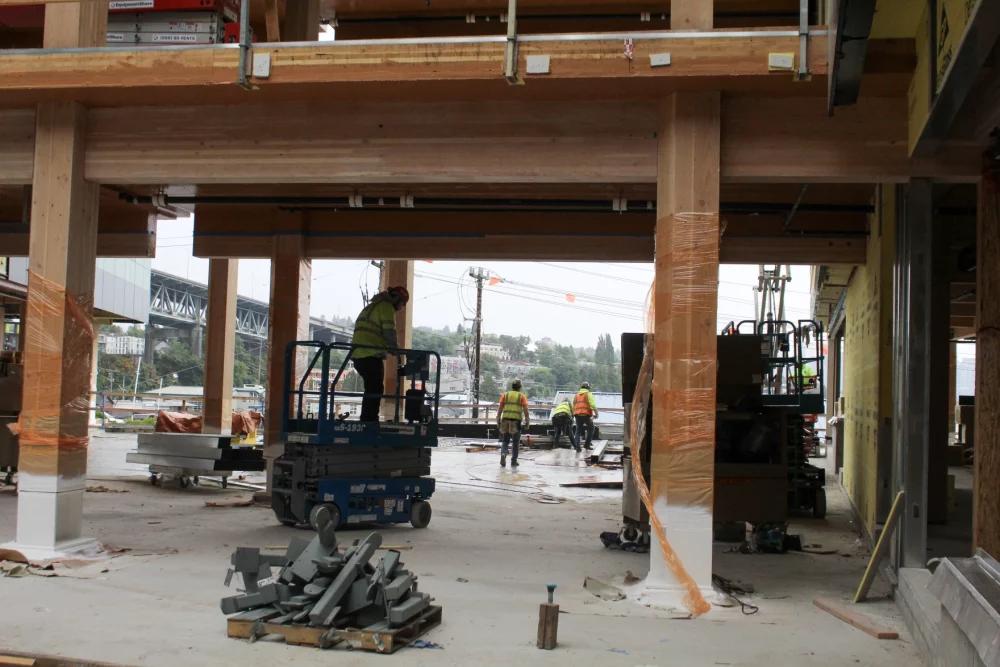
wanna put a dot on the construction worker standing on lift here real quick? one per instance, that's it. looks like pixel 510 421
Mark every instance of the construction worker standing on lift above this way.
pixel 584 411
pixel 513 407
pixel 375 332
pixel 562 421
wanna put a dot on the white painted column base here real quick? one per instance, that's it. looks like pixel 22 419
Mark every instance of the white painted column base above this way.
pixel 49 526
pixel 689 532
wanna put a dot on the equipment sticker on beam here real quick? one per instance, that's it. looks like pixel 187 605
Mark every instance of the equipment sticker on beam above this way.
pixel 130 4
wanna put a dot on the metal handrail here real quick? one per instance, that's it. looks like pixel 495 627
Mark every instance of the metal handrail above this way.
pixel 328 391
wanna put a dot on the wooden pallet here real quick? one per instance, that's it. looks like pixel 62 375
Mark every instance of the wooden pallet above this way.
pixel 377 641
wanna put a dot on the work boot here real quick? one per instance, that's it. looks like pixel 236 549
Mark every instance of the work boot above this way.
pixel 503 460
pixel 576 448
pixel 513 463
pixel 589 446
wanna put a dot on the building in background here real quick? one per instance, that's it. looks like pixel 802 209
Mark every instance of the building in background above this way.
pixel 499 352
pixel 121 287
pixel 123 346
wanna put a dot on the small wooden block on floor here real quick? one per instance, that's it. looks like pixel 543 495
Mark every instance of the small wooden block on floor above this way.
pixel 856 618
pixel 548 625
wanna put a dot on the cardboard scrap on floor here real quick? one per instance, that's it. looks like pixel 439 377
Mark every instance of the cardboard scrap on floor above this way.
pixel 856 618
pixel 603 590
pixel 595 482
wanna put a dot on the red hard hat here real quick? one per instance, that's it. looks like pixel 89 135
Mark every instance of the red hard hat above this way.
pixel 402 292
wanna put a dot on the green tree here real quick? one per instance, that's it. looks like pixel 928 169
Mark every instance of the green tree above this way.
pixel 112 370
pixel 136 330
pixel 489 364
pixel 443 345
pixel 544 383
pixel 489 387
pixel 516 346
pixel 250 362
pixel 178 360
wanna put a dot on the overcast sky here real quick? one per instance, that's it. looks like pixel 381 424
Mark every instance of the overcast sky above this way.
pixel 531 300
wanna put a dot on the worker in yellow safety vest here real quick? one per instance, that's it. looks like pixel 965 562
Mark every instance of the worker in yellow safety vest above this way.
pixel 513 407
pixel 374 334
pixel 584 411
pixel 808 378
pixel 562 421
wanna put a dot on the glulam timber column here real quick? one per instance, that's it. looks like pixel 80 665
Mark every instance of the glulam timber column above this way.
pixel 986 482
pixel 58 350
pixel 685 298
pixel 397 272
pixel 220 334
pixel 57 330
pixel 301 21
pixel 288 321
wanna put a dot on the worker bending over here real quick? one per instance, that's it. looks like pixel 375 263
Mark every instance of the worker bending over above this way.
pixel 562 420
pixel 513 407
pixel 375 333
pixel 584 411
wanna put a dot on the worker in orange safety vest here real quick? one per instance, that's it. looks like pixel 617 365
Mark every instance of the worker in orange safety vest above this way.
pixel 584 412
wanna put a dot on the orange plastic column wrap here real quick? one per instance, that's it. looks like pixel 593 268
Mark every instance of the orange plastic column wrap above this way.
pixel 54 415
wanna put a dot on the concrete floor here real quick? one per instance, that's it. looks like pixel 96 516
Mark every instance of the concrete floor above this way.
pixel 155 606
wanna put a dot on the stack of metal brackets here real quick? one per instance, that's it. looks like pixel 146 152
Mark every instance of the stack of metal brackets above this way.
pixel 192 454
pixel 319 586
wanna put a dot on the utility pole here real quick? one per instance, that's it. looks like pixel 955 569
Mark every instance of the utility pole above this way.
pixel 479 275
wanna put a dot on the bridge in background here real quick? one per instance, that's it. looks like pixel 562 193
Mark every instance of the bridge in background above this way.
pixel 178 303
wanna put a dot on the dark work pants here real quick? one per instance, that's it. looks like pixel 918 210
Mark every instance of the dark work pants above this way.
pixel 511 439
pixel 372 372
pixel 584 424
pixel 561 423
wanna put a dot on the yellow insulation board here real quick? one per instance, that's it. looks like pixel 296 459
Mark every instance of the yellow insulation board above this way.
pixel 867 378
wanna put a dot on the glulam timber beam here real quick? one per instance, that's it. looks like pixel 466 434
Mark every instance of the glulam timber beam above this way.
pixel 706 53
pixel 119 234
pixel 249 232
pixel 788 140
pixel 357 9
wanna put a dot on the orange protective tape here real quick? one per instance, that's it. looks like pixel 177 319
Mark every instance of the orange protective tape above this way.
pixel 682 313
pixel 58 356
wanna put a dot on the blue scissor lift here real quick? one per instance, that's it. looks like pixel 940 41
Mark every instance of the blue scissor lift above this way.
pixel 363 472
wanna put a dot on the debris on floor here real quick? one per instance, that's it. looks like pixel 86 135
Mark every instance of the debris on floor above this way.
pixel 769 538
pixel 735 591
pixel 616 542
pixel 10 569
pixel 103 489
pixel 320 596
pixel 631 578
pixel 603 590
pixel 243 502
pixel 596 482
